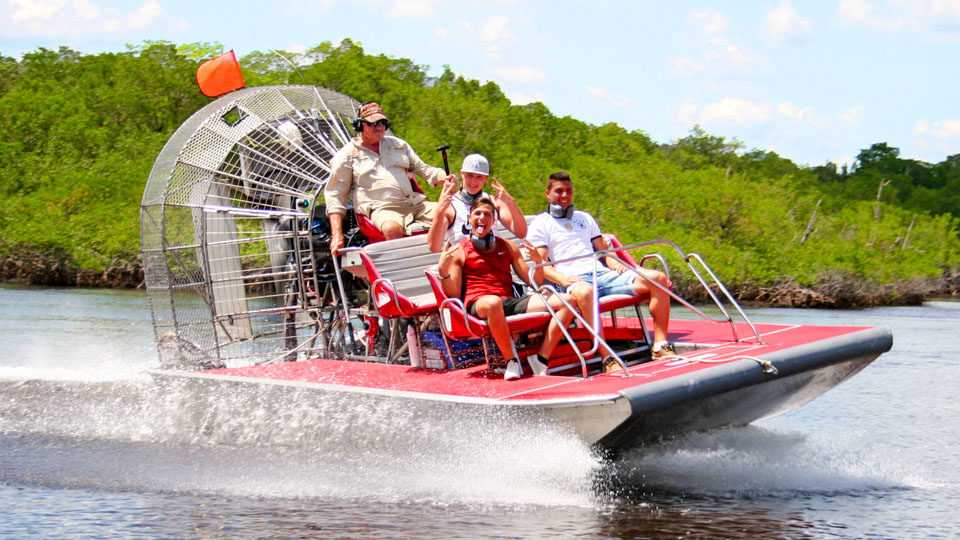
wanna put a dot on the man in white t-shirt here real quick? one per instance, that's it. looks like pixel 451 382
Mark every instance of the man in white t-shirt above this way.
pixel 453 206
pixel 563 233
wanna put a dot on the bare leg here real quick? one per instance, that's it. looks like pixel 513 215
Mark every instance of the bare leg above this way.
pixel 392 230
pixel 554 333
pixel 490 307
pixel 582 294
pixel 659 302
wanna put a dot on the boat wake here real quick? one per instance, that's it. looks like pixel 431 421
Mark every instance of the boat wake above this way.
pixel 758 462
pixel 248 441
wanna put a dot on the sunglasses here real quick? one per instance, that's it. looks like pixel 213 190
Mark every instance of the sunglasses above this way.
pixel 385 123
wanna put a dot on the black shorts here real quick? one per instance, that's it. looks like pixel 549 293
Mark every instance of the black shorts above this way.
pixel 511 306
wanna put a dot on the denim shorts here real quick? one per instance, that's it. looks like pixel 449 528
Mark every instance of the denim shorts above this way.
pixel 611 282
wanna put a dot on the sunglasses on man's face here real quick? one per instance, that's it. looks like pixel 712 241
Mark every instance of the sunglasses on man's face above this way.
pixel 385 123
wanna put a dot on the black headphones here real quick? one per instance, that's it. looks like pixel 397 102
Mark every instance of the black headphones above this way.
pixel 558 211
pixel 483 244
pixel 357 123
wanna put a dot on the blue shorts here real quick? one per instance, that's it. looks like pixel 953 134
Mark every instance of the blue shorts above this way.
pixel 611 282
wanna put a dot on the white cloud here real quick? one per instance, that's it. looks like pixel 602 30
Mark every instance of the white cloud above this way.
pixel 490 34
pixel 523 98
pixel 684 65
pixel 687 112
pixel 145 15
pixel 728 110
pixel 853 114
pixel 941 16
pixel 441 33
pixel 803 115
pixel 854 11
pixel 783 22
pixel 521 74
pixel 948 129
pixel 736 110
pixel 714 22
pixel 601 94
pixel 724 51
pixel 72 18
pixel 742 112
pixel 495 29
pixel 412 9
pixel 35 10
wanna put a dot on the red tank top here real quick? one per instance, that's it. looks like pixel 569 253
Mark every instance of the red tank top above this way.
pixel 486 273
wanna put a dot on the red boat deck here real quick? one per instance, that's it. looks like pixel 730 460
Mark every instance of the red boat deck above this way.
pixel 714 342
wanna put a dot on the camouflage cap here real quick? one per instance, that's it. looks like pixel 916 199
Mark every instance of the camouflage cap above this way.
pixel 371 112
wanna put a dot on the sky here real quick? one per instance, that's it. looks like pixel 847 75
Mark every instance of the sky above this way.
pixel 814 81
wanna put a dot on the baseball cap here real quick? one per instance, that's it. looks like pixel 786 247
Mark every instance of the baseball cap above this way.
pixel 371 112
pixel 475 163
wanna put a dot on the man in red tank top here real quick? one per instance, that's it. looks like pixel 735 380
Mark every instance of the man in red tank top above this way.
pixel 478 266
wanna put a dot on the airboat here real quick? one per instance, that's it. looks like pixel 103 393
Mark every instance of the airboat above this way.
pixel 244 292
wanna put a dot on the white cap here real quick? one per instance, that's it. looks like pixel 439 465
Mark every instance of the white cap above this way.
pixel 475 163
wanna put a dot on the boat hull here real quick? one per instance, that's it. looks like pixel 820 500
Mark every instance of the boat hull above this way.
pixel 709 388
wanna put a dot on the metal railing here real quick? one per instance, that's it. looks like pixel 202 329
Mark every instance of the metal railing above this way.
pixel 598 256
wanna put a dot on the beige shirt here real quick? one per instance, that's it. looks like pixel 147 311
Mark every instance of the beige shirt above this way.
pixel 376 180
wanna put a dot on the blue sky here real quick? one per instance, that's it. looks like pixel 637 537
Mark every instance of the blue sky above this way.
pixel 814 81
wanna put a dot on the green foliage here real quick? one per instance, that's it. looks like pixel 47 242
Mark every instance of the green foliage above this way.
pixel 81 133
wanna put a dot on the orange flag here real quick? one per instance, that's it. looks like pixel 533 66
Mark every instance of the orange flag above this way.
pixel 220 75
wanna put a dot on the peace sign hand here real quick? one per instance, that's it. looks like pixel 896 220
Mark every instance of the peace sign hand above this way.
pixel 500 193
pixel 449 188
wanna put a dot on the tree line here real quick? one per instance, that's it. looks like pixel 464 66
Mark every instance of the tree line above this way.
pixel 80 133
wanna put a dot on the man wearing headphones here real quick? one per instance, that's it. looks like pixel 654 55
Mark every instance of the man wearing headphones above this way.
pixel 563 233
pixel 453 206
pixel 374 168
pixel 477 269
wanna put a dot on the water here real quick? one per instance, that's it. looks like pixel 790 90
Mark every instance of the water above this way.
pixel 89 446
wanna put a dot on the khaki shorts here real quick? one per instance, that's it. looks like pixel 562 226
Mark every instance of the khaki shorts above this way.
pixel 413 219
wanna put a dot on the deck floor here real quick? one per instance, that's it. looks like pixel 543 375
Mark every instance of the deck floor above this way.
pixel 715 342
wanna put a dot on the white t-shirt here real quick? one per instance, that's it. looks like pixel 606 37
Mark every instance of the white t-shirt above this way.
pixel 565 238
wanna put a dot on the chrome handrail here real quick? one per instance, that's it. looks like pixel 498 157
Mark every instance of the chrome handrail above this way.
pixel 598 255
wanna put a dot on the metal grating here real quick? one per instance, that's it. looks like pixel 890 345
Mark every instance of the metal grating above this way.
pixel 234 270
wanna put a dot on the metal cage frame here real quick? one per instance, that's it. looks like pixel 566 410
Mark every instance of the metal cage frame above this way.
pixel 234 241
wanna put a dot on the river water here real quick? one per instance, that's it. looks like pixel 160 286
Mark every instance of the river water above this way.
pixel 90 447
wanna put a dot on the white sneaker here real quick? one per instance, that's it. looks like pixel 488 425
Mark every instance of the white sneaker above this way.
pixel 513 371
pixel 538 367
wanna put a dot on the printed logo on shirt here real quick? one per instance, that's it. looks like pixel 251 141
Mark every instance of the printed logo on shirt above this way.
pixel 580 223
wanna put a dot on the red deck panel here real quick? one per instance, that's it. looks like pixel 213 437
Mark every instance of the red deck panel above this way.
pixel 476 383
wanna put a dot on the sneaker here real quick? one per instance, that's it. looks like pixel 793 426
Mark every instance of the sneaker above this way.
pixel 611 365
pixel 665 351
pixel 513 371
pixel 538 367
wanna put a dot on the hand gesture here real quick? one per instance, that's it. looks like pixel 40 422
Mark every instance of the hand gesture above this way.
pixel 532 253
pixel 499 192
pixel 449 188
pixel 445 256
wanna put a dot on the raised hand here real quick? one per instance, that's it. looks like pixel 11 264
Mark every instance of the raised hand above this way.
pixel 445 256
pixel 532 253
pixel 499 192
pixel 449 188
